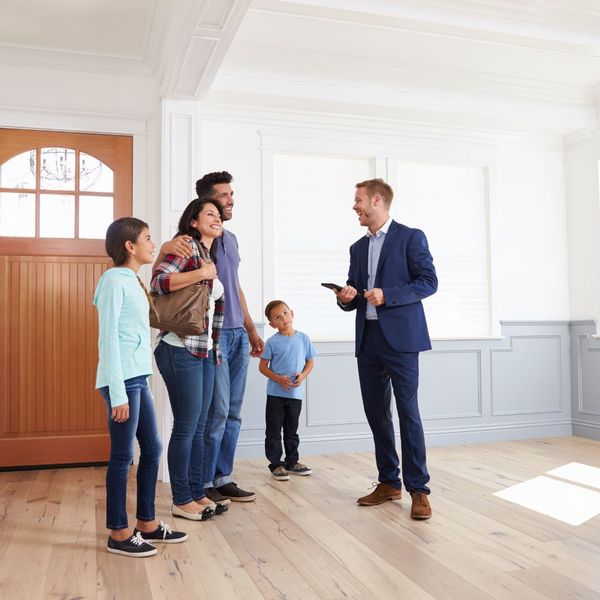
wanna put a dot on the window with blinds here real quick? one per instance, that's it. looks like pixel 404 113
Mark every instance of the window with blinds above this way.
pixel 449 203
pixel 314 226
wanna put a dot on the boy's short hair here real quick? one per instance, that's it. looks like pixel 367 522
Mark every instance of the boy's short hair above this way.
pixel 378 186
pixel 273 304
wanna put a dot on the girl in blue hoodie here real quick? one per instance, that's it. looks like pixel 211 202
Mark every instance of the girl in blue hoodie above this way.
pixel 125 362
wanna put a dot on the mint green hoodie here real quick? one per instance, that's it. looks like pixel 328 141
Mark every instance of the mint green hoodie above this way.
pixel 124 345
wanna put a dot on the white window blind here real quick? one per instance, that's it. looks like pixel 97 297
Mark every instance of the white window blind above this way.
pixel 449 203
pixel 314 227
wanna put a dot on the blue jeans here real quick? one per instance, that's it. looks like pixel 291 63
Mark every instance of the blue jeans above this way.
pixel 224 417
pixel 190 382
pixel 141 424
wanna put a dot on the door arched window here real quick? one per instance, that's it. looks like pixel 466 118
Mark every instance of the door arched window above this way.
pixel 60 191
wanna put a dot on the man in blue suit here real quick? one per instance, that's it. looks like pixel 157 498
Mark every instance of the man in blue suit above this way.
pixel 391 271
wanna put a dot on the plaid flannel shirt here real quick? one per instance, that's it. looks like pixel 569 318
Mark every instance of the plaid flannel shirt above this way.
pixel 161 282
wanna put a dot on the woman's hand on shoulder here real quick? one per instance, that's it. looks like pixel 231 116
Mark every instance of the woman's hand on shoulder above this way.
pixel 208 270
pixel 120 413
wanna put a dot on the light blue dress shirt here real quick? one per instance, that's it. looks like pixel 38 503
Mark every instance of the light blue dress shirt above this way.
pixel 375 244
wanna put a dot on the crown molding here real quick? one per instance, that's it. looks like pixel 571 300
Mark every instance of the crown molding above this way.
pixel 485 110
pixel 197 46
pixel 321 68
pixel 564 27
pixel 305 122
pixel 71 120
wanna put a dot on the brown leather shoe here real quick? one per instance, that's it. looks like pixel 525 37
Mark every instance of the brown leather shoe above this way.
pixel 382 493
pixel 421 509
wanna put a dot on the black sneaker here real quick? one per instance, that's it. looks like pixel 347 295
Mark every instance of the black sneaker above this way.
pixel 134 546
pixel 212 494
pixel 300 469
pixel 234 493
pixel 163 533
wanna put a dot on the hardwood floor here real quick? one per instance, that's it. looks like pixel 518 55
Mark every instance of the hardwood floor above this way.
pixel 307 538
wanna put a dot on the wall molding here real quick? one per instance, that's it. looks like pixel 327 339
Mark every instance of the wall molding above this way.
pixel 388 126
pixel 559 367
pixel 23 117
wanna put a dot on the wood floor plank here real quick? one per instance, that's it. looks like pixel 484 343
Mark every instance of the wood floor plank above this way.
pixel 308 539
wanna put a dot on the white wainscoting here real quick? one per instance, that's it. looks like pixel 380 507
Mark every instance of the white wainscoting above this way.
pixel 585 388
pixel 481 390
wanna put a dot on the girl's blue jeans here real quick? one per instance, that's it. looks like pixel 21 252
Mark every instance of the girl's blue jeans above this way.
pixel 141 424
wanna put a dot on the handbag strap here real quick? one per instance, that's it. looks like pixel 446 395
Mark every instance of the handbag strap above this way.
pixel 204 254
pixel 148 295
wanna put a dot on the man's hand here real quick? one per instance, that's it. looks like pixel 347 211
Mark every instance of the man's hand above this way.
pixel 375 297
pixel 120 413
pixel 298 379
pixel 346 294
pixel 257 344
pixel 180 246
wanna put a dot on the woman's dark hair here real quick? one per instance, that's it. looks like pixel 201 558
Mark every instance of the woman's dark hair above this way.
pixel 125 229
pixel 191 212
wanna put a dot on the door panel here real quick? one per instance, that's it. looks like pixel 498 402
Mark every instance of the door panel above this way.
pixel 50 412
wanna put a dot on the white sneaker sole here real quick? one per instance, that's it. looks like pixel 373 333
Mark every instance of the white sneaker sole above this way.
pixel 132 554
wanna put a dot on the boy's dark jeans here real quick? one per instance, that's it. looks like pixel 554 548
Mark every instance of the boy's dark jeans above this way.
pixel 282 413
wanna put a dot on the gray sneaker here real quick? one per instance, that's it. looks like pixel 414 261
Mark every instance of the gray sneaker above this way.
pixel 280 474
pixel 300 469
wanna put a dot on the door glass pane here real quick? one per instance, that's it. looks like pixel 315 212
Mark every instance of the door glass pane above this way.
pixel 17 214
pixel 57 169
pixel 19 171
pixel 57 216
pixel 95 215
pixel 94 175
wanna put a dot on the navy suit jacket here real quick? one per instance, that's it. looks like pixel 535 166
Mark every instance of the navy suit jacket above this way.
pixel 406 275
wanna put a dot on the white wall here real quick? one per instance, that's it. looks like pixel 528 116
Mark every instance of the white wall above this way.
pixel 528 212
pixel 584 226
pixel 471 390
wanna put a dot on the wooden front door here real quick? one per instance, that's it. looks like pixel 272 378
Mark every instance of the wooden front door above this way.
pixel 58 194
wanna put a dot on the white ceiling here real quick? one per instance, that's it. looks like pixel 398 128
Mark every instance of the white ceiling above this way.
pixel 511 64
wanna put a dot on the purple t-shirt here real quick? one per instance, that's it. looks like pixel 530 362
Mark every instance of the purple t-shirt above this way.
pixel 228 262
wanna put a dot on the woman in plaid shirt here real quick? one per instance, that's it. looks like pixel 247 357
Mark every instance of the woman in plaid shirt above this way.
pixel 187 363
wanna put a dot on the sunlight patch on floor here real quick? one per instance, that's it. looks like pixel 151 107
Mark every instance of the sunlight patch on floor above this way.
pixel 578 473
pixel 560 500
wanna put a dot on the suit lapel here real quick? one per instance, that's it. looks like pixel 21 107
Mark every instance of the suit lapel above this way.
pixel 387 244
pixel 364 261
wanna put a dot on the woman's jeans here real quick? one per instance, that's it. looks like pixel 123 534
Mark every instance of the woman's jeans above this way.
pixel 190 382
pixel 141 424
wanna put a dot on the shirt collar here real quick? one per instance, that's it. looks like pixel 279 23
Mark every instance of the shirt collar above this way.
pixel 383 229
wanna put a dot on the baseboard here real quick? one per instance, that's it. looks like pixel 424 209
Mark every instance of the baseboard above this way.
pixel 586 429
pixel 363 442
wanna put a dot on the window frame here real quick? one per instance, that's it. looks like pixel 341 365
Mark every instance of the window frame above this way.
pixel 383 150
pixel 115 151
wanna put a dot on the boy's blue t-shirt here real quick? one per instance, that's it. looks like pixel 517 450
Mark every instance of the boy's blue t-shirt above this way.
pixel 287 355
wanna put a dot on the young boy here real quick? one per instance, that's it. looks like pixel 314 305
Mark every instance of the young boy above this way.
pixel 286 360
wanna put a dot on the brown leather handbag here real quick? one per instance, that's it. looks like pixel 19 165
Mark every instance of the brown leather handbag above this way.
pixel 183 312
